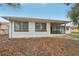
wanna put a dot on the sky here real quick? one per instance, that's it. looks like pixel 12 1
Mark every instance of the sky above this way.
pixel 36 10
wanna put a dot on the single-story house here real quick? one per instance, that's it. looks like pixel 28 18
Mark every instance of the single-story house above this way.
pixel 3 28
pixel 23 27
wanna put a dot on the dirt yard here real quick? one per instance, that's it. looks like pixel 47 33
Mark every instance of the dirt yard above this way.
pixel 38 46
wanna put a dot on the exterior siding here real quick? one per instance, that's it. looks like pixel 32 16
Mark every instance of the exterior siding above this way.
pixel 30 33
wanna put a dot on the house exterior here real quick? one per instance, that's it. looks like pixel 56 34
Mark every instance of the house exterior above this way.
pixel 3 28
pixel 22 27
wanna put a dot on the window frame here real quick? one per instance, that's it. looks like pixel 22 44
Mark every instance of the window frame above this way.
pixel 37 28
pixel 21 27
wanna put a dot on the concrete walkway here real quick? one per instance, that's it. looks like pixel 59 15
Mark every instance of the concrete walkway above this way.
pixel 75 38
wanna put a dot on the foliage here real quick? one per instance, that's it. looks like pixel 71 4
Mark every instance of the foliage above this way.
pixel 73 14
pixel 67 4
pixel 13 4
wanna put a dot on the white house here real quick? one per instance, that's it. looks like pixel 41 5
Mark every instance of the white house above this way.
pixel 22 27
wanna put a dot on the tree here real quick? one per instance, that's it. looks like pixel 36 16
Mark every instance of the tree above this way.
pixel 73 14
pixel 15 5
pixel 67 4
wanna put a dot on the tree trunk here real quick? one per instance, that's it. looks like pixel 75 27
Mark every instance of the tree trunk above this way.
pixel 78 26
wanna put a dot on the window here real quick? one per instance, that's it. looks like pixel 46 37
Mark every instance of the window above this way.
pixel 40 27
pixel 21 26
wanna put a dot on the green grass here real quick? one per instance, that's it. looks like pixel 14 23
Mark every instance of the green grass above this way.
pixel 75 34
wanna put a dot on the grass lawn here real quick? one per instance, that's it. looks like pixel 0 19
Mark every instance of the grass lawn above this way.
pixel 75 34
pixel 48 46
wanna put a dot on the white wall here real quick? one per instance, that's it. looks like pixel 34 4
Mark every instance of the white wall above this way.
pixel 10 24
pixel 30 33
pixel 68 31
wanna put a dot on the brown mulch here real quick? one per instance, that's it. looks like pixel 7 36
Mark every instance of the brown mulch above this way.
pixel 38 46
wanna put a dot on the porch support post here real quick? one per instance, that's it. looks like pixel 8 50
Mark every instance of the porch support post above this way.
pixel 65 28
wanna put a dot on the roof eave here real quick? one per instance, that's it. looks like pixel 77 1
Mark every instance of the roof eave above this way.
pixel 34 19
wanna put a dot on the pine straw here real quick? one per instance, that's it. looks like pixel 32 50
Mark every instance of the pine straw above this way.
pixel 39 46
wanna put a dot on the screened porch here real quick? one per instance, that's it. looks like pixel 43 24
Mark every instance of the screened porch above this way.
pixel 57 28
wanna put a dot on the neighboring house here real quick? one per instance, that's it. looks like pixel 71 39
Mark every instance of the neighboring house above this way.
pixel 3 28
pixel 22 27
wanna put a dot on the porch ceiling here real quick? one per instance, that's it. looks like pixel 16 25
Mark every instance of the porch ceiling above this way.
pixel 25 19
